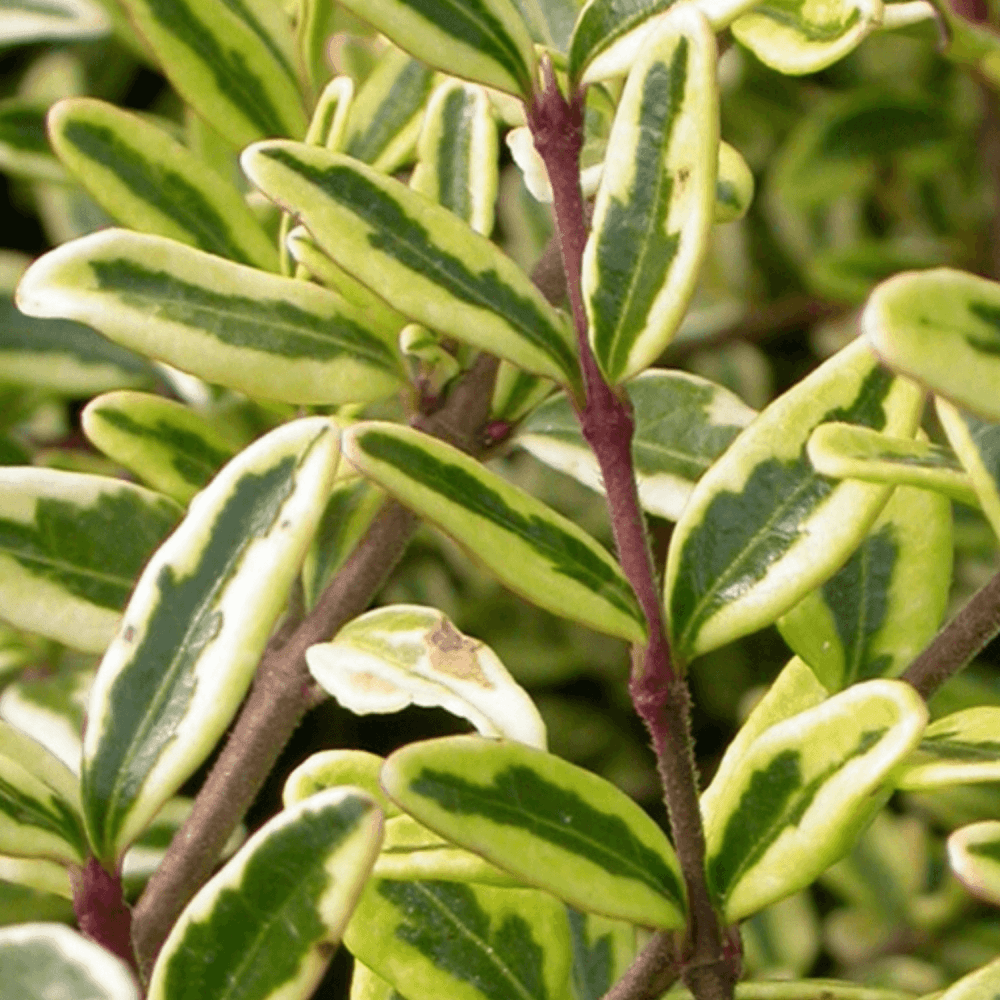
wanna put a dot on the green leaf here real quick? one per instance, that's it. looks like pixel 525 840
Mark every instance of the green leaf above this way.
pixel 385 117
pixel 368 985
pixel 481 40
pixel 976 985
pixel 329 120
pixel 71 548
pixel 528 546
pixel 405 654
pixel 456 941
pixel 873 616
pixel 268 923
pixel 548 822
pixel 958 749
pixel 39 802
pixel 231 60
pixel 149 182
pixel 683 423
pixel 844 451
pixel 168 445
pixel 977 444
pixel 974 857
pixel 334 768
pixel 802 36
pixel 941 327
pixel 734 185
pixel 268 336
pixel 457 154
pixel 349 512
pixel 603 950
pixel 425 262
pixel 762 527
pixel 195 627
pixel 802 792
pixel 24 148
pixel 517 393
pixel 656 203
pixel 44 20
pixel 40 961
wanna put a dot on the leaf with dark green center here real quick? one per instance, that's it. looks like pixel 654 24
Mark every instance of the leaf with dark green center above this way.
pixel 195 626
pixel 525 544
pixel 456 941
pixel 426 263
pixel 656 202
pixel 43 20
pixel 24 147
pixel 802 791
pixel 957 749
pixel 267 924
pixel 71 549
pixel 546 821
pixel 762 527
pixel 974 857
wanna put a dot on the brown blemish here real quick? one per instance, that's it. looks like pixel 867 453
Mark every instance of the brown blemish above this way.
pixel 370 684
pixel 452 653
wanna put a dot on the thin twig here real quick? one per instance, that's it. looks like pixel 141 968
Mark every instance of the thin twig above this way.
pixel 958 642
pixel 653 972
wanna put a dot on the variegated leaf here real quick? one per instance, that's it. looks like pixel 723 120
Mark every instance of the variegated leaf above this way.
pixel 329 120
pixel 267 924
pixel 265 335
pixel 517 393
pixel 385 116
pixel 232 62
pixel 71 548
pixel 406 654
pixel 459 941
pixel 977 444
pixel 30 21
pixel 683 423
pixel 168 445
pixel 528 546
pixel 369 985
pixel 974 856
pixel 734 185
pixel 457 154
pixel 805 36
pixel 544 820
pixel 603 950
pixel 978 985
pixel 425 262
pixel 353 505
pixel 41 961
pixel 762 527
pixel 941 327
pixel 873 616
pixel 481 40
pixel 24 148
pixel 48 878
pixel 431 365
pixel 803 790
pixel 195 627
pixel 844 451
pixel 149 182
pixel 656 202
pixel 334 768
pixel 958 749
pixel 39 802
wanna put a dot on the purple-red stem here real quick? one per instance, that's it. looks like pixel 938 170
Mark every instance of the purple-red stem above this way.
pixel 659 693
pixel 100 909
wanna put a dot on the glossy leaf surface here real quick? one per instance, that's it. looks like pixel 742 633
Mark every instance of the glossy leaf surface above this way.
pixel 66 565
pixel 195 626
pixel 762 527
pixel 525 544
pixel 406 654
pixel 544 820
pixel 974 856
pixel 958 749
pixel 428 264
pixel 265 335
pixel 803 790
pixel 683 423
pixel 266 925
pixel 656 202
pixel 334 768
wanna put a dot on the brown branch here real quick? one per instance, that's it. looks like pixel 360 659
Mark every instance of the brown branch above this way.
pixel 283 689
pixel 958 642
pixel 659 693
pixel 652 973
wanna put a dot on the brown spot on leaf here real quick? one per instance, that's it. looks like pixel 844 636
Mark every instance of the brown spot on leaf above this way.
pixel 452 653
pixel 370 684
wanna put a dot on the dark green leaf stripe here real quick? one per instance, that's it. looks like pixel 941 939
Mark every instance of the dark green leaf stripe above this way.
pixel 788 14
pixel 977 443
pixel 520 798
pixel 775 798
pixel 989 850
pixel 952 747
pixel 422 241
pixel 265 922
pixel 52 816
pixel 221 65
pixel 454 162
pixel 565 552
pixel 151 183
pixel 22 128
pixel 250 14
pixel 603 22
pixel 484 40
